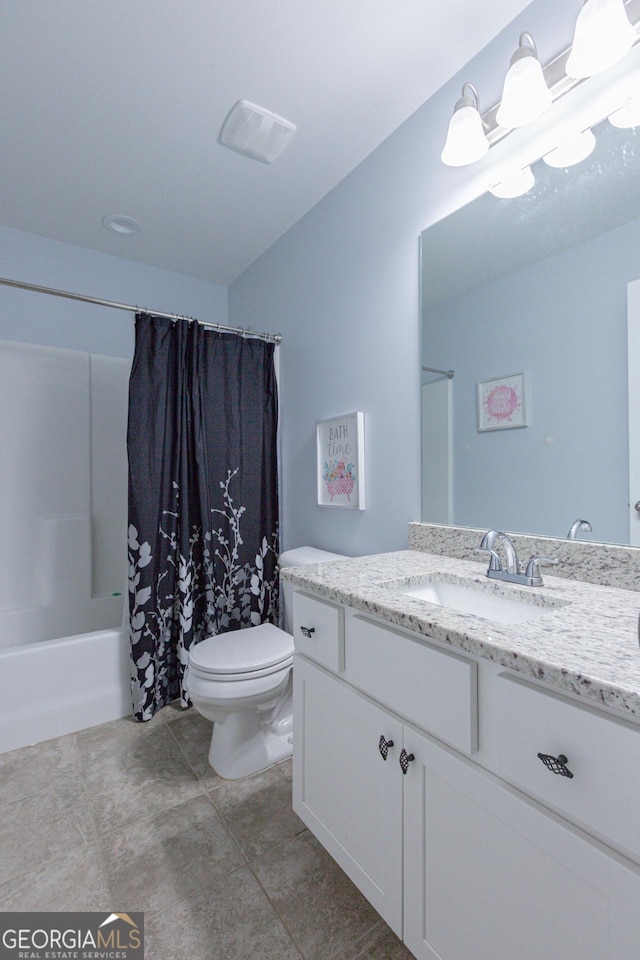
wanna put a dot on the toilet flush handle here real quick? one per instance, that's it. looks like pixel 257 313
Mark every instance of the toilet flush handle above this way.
pixel 307 631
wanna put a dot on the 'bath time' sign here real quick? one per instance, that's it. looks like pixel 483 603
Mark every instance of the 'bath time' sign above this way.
pixel 340 461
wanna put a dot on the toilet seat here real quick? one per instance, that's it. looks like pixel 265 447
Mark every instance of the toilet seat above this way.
pixel 242 654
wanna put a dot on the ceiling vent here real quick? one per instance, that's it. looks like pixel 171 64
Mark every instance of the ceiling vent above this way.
pixel 256 132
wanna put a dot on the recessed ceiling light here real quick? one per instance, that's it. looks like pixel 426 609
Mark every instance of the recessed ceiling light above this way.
pixel 123 226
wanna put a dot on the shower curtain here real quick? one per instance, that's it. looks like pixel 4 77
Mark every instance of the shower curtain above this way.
pixel 203 497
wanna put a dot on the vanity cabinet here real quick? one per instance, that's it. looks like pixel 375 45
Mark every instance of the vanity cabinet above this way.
pixel 460 863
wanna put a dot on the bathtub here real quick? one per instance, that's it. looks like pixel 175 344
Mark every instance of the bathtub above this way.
pixel 53 687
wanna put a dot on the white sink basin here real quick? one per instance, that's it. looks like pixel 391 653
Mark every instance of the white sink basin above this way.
pixel 481 603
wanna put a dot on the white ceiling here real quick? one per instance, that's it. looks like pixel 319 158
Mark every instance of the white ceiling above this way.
pixel 115 107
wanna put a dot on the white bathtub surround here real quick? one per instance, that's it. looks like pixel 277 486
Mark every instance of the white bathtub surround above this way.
pixel 63 569
pixel 587 647
pixel 63 479
pixel 609 564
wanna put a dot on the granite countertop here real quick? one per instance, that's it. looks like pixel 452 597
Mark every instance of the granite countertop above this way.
pixel 586 643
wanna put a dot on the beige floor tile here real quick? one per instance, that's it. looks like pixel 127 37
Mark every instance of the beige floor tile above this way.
pixel 130 816
pixel 133 770
pixel 258 811
pixel 193 735
pixel 156 862
pixel 320 907
pixel 380 944
pixel 285 769
pixel 125 731
pixel 41 827
pixel 34 769
pixel 172 710
pixel 230 920
pixel 72 881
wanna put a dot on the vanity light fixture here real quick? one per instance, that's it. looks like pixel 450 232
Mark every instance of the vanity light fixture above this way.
pixel 603 35
pixel 514 184
pixel 571 150
pixel 466 141
pixel 525 95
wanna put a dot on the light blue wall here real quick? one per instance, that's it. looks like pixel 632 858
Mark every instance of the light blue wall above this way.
pixel 342 286
pixel 563 321
pixel 51 321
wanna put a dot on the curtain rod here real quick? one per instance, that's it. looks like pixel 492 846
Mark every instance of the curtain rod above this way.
pixel 220 327
pixel 445 373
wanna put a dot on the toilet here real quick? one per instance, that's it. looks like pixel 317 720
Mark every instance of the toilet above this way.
pixel 242 681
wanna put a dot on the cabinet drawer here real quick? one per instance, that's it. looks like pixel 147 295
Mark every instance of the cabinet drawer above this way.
pixel 603 754
pixel 318 630
pixel 432 688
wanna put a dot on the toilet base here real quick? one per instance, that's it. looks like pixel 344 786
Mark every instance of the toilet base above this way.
pixel 254 755
pixel 249 741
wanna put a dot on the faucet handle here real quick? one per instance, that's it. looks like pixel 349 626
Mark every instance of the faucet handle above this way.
pixel 532 567
pixel 494 559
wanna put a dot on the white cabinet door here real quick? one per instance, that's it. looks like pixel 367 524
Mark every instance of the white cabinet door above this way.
pixel 343 789
pixel 490 876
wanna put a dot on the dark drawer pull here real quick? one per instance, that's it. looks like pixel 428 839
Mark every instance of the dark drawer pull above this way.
pixel 405 760
pixel 307 631
pixel 383 747
pixel 556 764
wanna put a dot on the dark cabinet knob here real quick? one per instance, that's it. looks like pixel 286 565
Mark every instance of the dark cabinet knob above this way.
pixel 405 760
pixel 557 765
pixel 307 631
pixel 383 747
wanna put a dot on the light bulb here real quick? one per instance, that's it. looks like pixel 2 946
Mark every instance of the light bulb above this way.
pixel 514 184
pixel 603 35
pixel 571 150
pixel 525 96
pixel 466 141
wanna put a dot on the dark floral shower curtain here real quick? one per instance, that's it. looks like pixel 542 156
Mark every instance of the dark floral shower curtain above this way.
pixel 203 497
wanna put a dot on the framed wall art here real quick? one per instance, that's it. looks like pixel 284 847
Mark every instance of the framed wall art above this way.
pixel 502 403
pixel 340 461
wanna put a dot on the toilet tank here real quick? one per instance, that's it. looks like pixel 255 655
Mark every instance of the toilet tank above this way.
pixel 298 557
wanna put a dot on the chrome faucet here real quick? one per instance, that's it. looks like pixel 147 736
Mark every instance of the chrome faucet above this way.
pixel 512 572
pixel 580 526
pixel 487 544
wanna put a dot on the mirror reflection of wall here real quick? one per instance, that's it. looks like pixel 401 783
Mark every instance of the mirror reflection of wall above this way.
pixel 538 284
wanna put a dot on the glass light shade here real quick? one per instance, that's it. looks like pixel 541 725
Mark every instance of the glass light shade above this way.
pixel 514 185
pixel 525 96
pixel 466 141
pixel 627 116
pixel 603 35
pixel 571 150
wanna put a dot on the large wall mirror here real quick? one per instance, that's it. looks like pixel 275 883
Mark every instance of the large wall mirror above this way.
pixel 536 285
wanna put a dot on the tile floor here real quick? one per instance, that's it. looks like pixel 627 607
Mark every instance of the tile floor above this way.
pixel 130 817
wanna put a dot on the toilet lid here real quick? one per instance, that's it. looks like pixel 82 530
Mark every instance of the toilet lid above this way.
pixel 242 651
